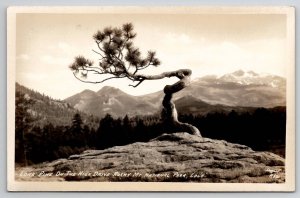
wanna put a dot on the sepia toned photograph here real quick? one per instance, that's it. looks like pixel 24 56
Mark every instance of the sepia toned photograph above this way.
pixel 151 99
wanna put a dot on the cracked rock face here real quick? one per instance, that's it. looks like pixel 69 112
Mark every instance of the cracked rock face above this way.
pixel 178 157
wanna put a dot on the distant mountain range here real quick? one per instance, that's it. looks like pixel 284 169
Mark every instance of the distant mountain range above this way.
pixel 238 91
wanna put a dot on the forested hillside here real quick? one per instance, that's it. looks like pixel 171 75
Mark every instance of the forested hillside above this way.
pixel 45 109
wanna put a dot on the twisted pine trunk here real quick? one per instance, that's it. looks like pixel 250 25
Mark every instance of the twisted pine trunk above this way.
pixel 169 112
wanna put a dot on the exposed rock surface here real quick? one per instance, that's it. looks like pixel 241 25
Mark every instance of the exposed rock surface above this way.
pixel 175 157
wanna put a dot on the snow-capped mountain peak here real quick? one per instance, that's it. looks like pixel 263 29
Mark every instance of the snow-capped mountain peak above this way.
pixel 242 73
pixel 250 77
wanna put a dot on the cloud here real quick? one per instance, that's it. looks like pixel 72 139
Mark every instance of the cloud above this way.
pixel 23 57
pixel 177 38
pixel 47 59
pixel 60 48
pixel 34 77
pixel 206 56
pixel 55 60
pixel 65 47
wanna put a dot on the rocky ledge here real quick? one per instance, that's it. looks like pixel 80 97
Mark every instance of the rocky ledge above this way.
pixel 178 157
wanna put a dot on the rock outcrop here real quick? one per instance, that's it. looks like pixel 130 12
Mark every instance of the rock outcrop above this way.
pixel 178 157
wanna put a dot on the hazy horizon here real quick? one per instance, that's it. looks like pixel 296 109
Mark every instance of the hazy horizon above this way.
pixel 208 44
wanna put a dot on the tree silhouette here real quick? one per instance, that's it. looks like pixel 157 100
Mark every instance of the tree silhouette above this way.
pixel 77 123
pixel 105 131
pixel 119 58
pixel 23 123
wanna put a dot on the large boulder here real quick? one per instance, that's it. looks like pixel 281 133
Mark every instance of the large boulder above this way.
pixel 177 157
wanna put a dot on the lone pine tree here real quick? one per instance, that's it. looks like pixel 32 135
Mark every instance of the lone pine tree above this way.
pixel 119 58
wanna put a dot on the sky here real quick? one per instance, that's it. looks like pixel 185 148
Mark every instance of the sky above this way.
pixel 208 44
